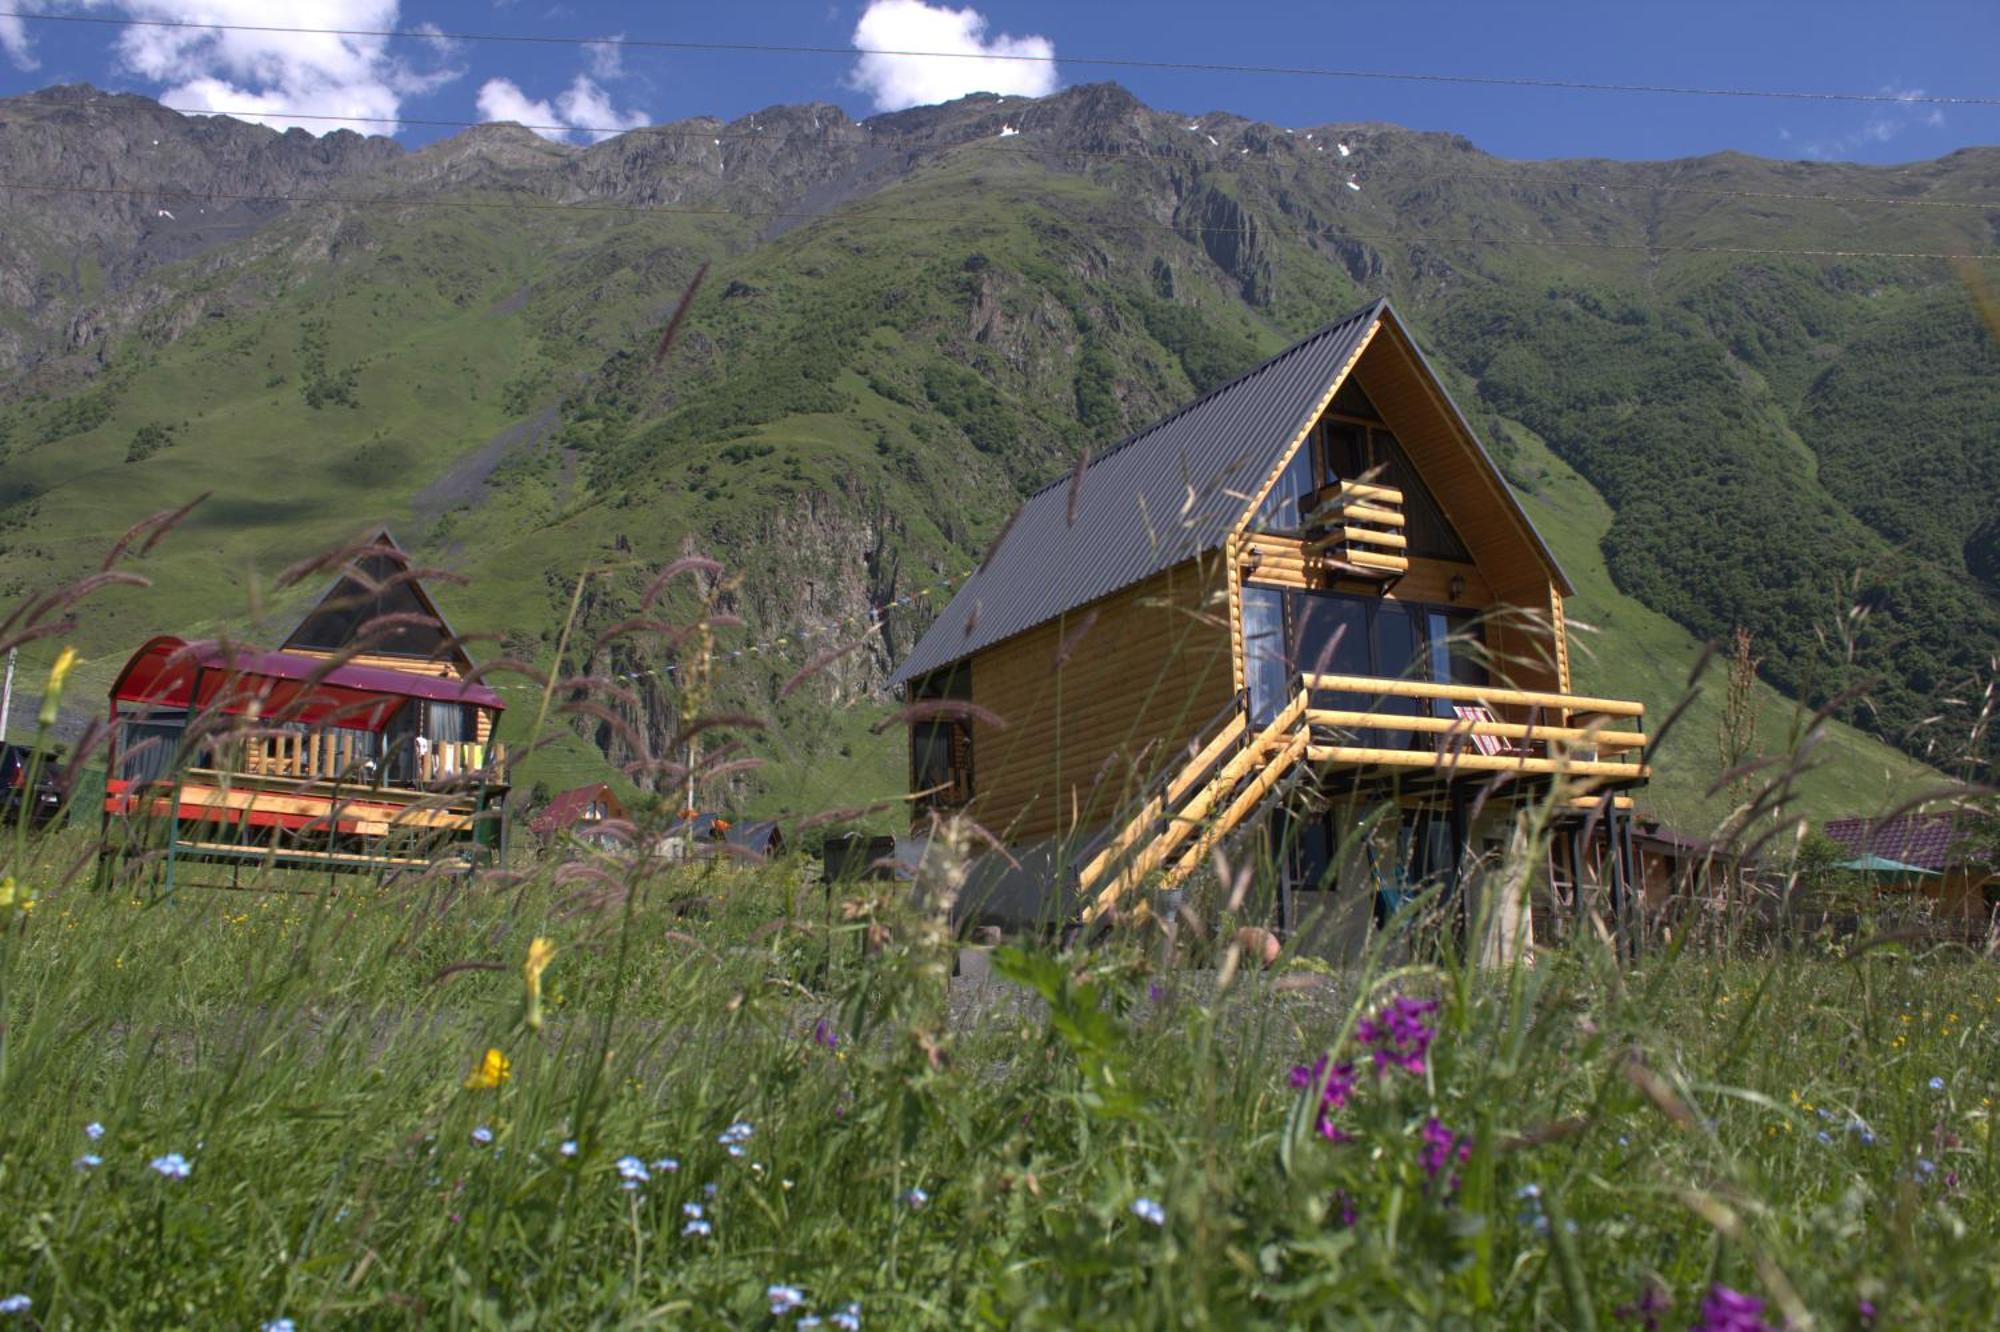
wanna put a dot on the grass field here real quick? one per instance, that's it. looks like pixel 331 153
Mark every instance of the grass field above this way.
pixel 227 1108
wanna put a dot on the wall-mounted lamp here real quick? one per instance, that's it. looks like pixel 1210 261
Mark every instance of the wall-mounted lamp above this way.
pixel 1457 586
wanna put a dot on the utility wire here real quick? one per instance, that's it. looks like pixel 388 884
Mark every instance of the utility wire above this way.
pixel 170 194
pixel 1532 174
pixel 1114 62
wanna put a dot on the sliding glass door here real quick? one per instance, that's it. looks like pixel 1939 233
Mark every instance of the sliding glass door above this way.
pixel 1383 639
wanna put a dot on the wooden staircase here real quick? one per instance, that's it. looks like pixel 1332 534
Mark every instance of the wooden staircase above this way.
pixel 1227 779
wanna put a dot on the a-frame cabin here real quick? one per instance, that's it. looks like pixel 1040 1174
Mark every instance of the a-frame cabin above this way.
pixel 1311 581
pixel 365 742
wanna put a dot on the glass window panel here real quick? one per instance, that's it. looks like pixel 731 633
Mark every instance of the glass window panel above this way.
pixel 1265 669
pixel 1330 634
pixel 1424 522
pixel 1280 510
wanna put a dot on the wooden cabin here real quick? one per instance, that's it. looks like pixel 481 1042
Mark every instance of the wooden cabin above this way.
pixel 582 813
pixel 362 743
pixel 1943 861
pixel 1306 593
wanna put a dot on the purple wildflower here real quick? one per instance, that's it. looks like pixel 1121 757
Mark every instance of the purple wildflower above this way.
pixel 1344 1203
pixel 1726 1310
pixel 1442 1150
pixel 1339 1086
pixel 1646 1310
pixel 824 1034
pixel 1399 1033
pixel 1867 1311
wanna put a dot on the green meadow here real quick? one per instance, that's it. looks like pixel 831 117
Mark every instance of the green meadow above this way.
pixel 725 1090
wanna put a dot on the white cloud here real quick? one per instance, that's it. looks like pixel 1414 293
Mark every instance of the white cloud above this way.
pixel 581 111
pixel 899 81
pixel 607 58
pixel 1885 122
pixel 277 77
pixel 14 41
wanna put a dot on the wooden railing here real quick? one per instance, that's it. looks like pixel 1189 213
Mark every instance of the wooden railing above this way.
pixel 1491 729
pixel 1359 526
pixel 1202 803
pixel 444 761
pixel 1232 774
pixel 339 755
pixel 318 755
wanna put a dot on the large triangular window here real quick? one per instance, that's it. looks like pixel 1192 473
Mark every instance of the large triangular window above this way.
pixel 1352 443
pixel 1355 444
pixel 337 621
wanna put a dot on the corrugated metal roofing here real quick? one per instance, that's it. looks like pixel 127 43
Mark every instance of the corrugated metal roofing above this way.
pixel 1928 841
pixel 1161 497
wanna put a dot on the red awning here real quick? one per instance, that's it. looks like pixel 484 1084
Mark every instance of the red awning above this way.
pixel 279 685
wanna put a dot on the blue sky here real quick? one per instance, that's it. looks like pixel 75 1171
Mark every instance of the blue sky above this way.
pixel 1935 49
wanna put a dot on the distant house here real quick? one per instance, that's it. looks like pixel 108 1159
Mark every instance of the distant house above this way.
pixel 581 812
pixel 1933 846
pixel 708 833
pixel 363 743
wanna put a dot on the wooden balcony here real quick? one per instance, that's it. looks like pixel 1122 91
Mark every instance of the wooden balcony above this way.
pixel 1357 529
pixel 335 755
pixel 1473 728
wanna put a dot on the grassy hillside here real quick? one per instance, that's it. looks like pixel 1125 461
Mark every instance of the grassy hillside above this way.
pixel 858 401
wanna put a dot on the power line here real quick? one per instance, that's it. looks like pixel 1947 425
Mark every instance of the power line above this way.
pixel 169 193
pixel 1109 62
pixel 1541 176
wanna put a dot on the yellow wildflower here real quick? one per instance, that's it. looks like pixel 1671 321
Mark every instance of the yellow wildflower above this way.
pixel 58 676
pixel 540 953
pixel 493 1070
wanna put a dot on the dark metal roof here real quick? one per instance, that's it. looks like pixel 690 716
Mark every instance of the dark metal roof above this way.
pixel 1161 497
pixel 1928 841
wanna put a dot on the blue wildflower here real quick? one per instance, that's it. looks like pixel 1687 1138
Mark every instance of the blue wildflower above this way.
pixel 916 1198
pixel 692 1209
pixel 89 1161
pixel 783 1299
pixel 709 1188
pixel 16 1304
pixel 568 1148
pixel 1150 1212
pixel 807 1320
pixel 848 1319
pixel 632 1173
pixel 1824 1137
pixel 1937 1084
pixel 482 1135
pixel 696 1227
pixel 278 1325
pixel 93 1130
pixel 1926 1167
pixel 173 1165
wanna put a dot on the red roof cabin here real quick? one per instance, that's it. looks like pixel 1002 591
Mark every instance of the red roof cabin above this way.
pixel 364 745
pixel 582 813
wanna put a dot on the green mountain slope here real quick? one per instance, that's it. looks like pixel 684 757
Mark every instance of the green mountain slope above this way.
pixel 460 342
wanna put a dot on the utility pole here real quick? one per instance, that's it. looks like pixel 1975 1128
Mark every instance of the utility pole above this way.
pixel 7 692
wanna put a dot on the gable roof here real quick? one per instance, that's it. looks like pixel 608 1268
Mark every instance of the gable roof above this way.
pixel 1928 841
pixel 346 605
pixel 566 808
pixel 1161 497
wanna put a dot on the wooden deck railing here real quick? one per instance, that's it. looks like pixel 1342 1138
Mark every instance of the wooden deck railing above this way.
pixel 1360 526
pixel 336 755
pixel 1177 827
pixel 1491 729
pixel 1234 772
